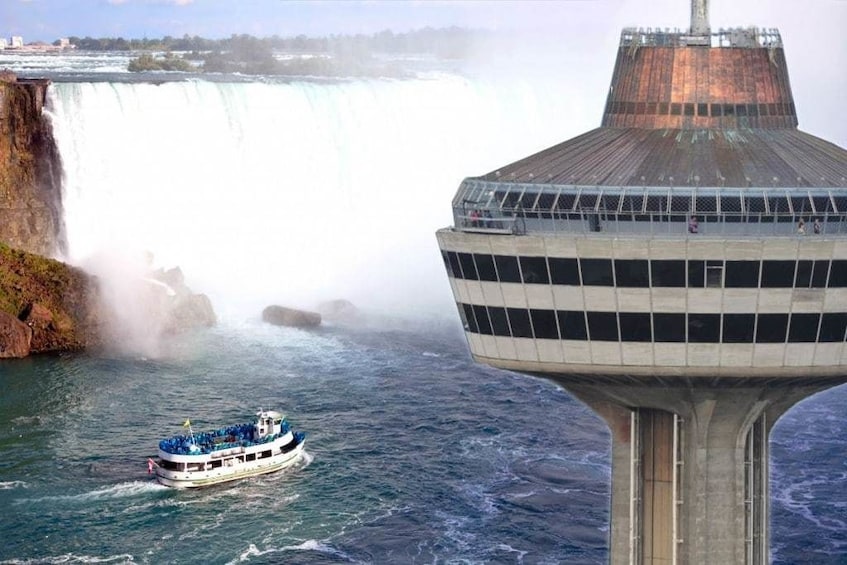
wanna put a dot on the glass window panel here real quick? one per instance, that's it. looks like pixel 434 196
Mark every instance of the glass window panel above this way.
pixel 485 267
pixel 804 274
pixel 669 328
pixel 455 267
pixel 707 204
pixel 596 272
pixel 778 274
pixel 801 204
pixel 544 324
pixel 632 273
pixel 717 110
pixel 756 205
pixel 527 200
pixel 519 322
pixel 564 271
pixel 803 328
pixel 511 199
pixel 771 328
pixel 833 326
pixel 447 265
pixel 633 202
pixel 838 274
pixel 566 201
pixel 482 321
pixel 603 326
pixel 822 204
pixel 704 328
pixel 499 323
pixel 572 325
pixel 470 319
pixel 635 326
pixel 507 268
pixel 730 204
pixel 820 269
pixel 742 274
pixel 778 205
pixel 534 270
pixel 545 201
pixel 696 274
pixel 668 273
pixel 738 328
pixel 840 203
pixel 610 202
pixel 587 201
pixel 657 203
pixel 714 274
pixel 468 268
pixel 681 203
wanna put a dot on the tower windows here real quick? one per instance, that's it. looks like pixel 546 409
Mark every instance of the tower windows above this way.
pixel 572 324
pixel 771 328
pixel 507 268
pixel 632 273
pixel 564 271
pixel 534 270
pixel 597 272
pixel 643 327
pixel 738 328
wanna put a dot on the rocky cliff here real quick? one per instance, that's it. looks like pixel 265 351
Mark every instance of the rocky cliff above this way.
pixel 46 305
pixel 30 169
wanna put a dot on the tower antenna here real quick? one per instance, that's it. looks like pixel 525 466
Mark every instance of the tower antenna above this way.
pixel 700 17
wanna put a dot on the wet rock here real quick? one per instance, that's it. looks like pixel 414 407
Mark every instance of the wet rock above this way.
pixel 339 310
pixel 282 316
pixel 15 337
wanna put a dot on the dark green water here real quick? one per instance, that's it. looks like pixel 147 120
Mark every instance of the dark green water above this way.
pixel 415 455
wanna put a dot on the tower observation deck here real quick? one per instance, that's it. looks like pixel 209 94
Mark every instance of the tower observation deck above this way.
pixel 681 269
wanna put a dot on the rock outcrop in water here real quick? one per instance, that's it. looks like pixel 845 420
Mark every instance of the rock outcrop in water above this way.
pixel 30 169
pixel 183 309
pixel 282 316
pixel 340 310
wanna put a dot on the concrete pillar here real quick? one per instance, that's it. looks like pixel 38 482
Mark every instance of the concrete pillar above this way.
pixel 720 493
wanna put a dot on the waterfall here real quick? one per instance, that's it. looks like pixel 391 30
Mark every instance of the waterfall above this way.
pixel 292 193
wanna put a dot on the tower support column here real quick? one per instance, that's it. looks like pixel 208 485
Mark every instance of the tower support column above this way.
pixel 689 470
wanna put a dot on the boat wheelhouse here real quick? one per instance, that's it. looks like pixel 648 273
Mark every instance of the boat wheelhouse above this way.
pixel 229 453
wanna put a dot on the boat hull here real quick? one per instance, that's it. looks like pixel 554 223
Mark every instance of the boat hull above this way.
pixel 223 474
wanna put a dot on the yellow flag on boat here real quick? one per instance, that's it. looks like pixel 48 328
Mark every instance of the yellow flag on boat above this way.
pixel 187 423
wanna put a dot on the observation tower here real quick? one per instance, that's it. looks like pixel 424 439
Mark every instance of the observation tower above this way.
pixel 681 269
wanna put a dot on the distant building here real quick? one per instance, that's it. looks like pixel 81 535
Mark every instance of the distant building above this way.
pixel 3 43
pixel 17 41
pixel 64 43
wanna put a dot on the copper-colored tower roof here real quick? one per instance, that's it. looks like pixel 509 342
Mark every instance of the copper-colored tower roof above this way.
pixel 686 109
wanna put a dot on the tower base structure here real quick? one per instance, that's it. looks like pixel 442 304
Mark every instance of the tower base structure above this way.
pixel 690 463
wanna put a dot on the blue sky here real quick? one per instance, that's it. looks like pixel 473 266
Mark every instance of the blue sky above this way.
pixel 49 19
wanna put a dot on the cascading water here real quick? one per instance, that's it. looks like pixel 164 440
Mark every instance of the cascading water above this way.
pixel 289 193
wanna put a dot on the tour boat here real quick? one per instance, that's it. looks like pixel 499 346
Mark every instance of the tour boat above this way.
pixel 229 453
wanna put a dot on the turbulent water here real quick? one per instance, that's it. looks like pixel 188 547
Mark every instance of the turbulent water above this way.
pixel 293 193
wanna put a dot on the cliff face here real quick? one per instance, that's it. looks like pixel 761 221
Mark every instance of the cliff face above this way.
pixel 30 170
pixel 46 305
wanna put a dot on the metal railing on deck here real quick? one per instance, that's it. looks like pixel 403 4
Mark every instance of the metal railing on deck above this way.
pixel 519 222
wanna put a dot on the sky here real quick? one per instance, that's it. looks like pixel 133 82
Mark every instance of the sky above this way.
pixel 583 31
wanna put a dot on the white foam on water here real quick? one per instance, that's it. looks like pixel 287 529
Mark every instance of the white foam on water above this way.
pixel 74 558
pixel 9 485
pixel 120 490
